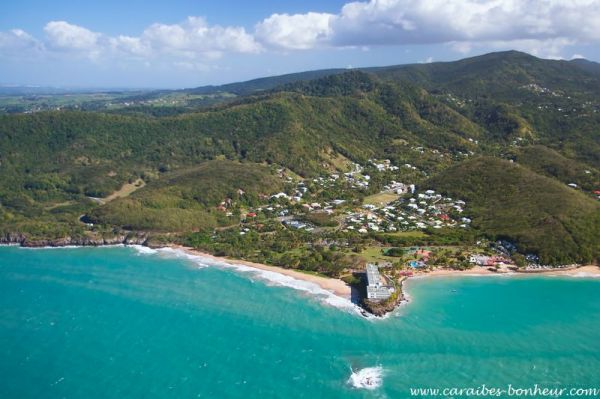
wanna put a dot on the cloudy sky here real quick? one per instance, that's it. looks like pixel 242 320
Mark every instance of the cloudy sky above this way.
pixel 186 43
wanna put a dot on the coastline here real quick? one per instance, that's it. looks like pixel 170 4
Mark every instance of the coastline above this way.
pixel 338 288
pixel 580 271
pixel 333 285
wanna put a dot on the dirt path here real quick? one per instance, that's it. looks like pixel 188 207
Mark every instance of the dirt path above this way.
pixel 124 191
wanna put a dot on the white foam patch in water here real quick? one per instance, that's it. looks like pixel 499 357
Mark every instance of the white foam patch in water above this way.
pixel 300 285
pixel 142 250
pixel 71 246
pixel 168 252
pixel 264 275
pixel 366 378
pixel 579 275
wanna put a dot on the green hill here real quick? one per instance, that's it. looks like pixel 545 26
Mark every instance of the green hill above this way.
pixel 266 83
pixel 57 156
pixel 540 215
pixel 543 114
pixel 186 200
pixel 551 163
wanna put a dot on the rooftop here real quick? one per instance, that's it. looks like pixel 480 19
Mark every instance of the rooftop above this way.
pixel 373 277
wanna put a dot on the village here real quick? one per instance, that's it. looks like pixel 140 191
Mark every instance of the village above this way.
pixel 335 210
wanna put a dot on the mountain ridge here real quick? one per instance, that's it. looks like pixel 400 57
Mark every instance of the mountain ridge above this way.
pixel 542 114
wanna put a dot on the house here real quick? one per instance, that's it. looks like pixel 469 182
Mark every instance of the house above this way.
pixel 375 289
pixel 480 260
pixel 280 195
pixel 296 224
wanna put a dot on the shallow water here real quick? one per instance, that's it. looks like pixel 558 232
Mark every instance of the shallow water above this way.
pixel 118 323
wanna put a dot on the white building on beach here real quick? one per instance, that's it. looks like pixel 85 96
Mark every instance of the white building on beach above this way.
pixel 375 289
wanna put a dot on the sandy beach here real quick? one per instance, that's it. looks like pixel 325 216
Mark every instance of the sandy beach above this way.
pixel 333 285
pixel 477 270
pixel 341 289
pixel 581 271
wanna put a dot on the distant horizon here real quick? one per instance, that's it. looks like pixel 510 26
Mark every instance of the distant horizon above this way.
pixel 89 88
pixel 182 43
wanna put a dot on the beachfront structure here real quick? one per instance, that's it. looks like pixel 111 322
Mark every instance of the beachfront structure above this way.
pixel 375 289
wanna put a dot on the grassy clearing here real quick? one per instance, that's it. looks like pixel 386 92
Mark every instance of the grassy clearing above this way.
pixel 338 161
pixel 381 198
pixel 374 254
pixel 125 191
pixel 411 234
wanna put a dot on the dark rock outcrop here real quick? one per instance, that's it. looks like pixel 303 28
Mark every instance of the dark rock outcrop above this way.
pixel 24 241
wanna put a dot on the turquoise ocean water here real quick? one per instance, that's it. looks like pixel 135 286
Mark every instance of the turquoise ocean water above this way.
pixel 117 323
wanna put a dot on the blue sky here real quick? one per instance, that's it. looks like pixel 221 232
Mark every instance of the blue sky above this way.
pixel 184 43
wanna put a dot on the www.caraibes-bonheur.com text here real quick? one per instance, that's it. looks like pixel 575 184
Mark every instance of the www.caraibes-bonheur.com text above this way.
pixel 509 390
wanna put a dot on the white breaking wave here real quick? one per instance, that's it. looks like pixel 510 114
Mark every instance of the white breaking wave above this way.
pixel 300 285
pixel 142 250
pixel 367 378
pixel 580 275
pixel 168 252
pixel 264 275
pixel 70 246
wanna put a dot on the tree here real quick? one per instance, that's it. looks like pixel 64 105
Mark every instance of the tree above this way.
pixel 519 260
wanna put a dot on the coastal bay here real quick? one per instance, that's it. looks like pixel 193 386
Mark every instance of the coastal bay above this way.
pixel 104 322
pixel 333 285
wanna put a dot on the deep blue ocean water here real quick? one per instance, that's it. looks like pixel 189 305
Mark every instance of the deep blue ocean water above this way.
pixel 117 323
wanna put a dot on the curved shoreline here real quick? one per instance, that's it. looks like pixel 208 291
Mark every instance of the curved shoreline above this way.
pixel 580 271
pixel 333 285
pixel 336 287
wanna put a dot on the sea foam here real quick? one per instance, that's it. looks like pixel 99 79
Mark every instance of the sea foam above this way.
pixel 366 378
pixel 168 252
pixel 267 276
pixel 67 246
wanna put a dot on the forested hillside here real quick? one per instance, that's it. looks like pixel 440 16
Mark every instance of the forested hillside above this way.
pixel 435 121
pixel 538 214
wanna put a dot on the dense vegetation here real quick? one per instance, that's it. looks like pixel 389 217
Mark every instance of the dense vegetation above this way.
pixel 542 114
pixel 186 200
pixel 538 214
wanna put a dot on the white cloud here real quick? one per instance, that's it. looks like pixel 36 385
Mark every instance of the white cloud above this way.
pixel 131 46
pixel 65 36
pixel 17 41
pixel 195 37
pixel 461 47
pixel 544 48
pixel 297 32
pixel 542 27
pixel 460 23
